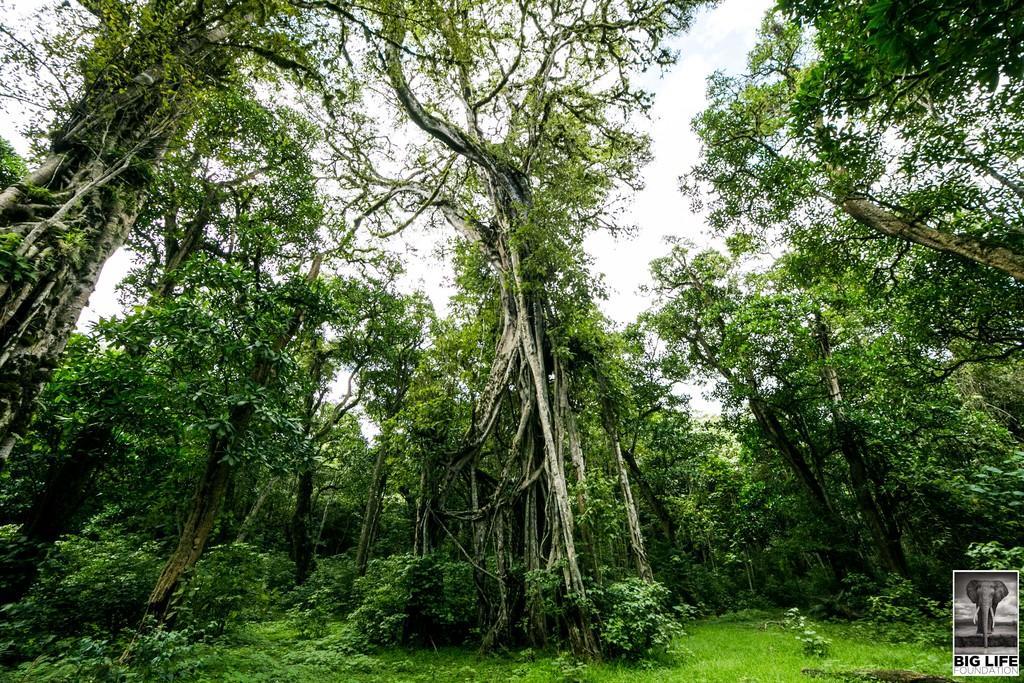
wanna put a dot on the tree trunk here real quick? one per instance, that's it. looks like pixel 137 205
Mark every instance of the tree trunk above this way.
pixel 421 544
pixel 243 528
pixel 636 539
pixel 842 562
pixel 195 532
pixel 523 337
pixel 581 635
pixel 883 526
pixel 38 315
pixel 478 529
pixel 668 524
pixel 213 484
pixel 90 187
pixel 68 486
pixel 302 525
pixel 533 513
pixel 579 466
pixel 372 512
pixel 502 622
pixel 879 518
pixel 868 213
pixel 772 428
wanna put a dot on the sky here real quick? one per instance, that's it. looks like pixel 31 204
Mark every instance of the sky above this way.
pixel 718 40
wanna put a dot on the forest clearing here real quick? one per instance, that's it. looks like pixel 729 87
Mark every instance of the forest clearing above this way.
pixel 473 340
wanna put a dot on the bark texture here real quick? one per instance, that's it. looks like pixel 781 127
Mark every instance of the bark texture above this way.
pixel 535 476
pixel 62 222
pixel 195 532
pixel 880 219
pixel 636 538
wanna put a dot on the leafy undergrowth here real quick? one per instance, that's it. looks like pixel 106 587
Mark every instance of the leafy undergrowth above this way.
pixel 730 649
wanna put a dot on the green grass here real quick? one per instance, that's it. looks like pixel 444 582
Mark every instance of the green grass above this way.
pixel 728 649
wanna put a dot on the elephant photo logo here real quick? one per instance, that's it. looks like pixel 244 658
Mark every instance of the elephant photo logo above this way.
pixel 986 623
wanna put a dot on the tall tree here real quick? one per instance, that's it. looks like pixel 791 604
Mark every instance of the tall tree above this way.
pixel 239 170
pixel 374 339
pixel 224 443
pixel 138 73
pixel 525 114
pixel 387 383
pixel 707 317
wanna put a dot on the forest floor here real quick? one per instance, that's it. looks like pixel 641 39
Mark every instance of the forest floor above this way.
pixel 729 649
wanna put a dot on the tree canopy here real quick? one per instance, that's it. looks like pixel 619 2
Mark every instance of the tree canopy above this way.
pixel 281 426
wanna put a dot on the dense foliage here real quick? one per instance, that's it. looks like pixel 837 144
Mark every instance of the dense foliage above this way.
pixel 278 432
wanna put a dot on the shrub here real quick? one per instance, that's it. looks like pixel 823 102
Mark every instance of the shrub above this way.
pixel 90 585
pixel 408 598
pixel 544 588
pixel 444 599
pixel 851 602
pixel 993 555
pixel 569 669
pixel 901 614
pixel 166 656
pixel 636 619
pixel 327 593
pixel 87 659
pixel 311 616
pixel 384 594
pixel 813 643
pixel 156 656
pixel 227 586
pixel 738 616
pixel 280 572
pixel 347 640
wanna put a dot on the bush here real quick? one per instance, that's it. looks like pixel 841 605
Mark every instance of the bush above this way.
pixel 852 601
pixel 157 656
pixel 901 614
pixel 91 585
pixel 347 640
pixel 544 588
pixel 227 586
pixel 405 598
pixel 166 656
pixel 280 573
pixel 384 594
pixel 326 594
pixel 993 555
pixel 569 669
pixel 636 621
pixel 87 659
pixel 813 643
